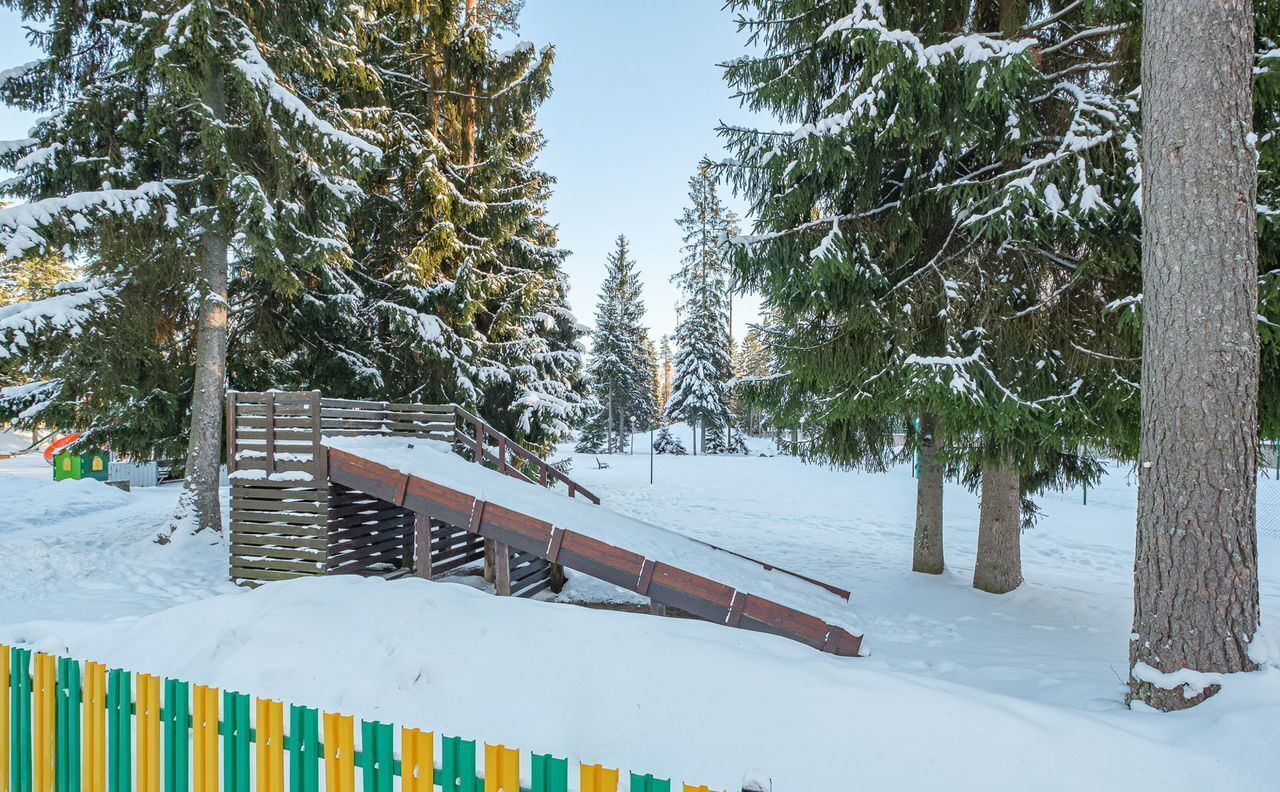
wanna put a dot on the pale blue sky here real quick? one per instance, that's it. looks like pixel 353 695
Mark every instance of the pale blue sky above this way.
pixel 637 99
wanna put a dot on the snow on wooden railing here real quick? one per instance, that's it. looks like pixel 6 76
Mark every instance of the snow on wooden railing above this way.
pixel 275 436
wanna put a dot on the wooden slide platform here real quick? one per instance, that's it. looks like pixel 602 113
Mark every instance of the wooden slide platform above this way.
pixel 670 569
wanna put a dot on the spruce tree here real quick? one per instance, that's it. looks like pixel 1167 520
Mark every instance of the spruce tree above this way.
pixel 666 375
pixel 703 364
pixel 182 144
pixel 903 288
pixel 620 365
pixel 751 365
pixel 461 295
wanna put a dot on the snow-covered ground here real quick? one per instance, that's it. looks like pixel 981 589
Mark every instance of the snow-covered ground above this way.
pixel 962 689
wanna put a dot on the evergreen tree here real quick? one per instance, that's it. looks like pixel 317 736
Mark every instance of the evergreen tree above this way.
pixel 751 365
pixel 32 278
pixel 666 375
pixel 703 364
pixel 902 286
pixel 181 144
pixel 653 379
pixel 461 295
pixel 620 364
pixel 668 443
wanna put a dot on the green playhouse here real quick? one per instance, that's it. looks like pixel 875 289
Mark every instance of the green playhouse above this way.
pixel 94 464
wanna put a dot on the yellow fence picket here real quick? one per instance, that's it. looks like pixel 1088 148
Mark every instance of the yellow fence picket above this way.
pixel 45 723
pixel 339 753
pixel 418 762
pixel 501 769
pixel 147 715
pixel 597 779
pixel 93 761
pixel 270 733
pixel 204 738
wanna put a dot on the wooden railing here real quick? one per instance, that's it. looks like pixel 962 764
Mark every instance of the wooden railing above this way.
pixel 279 433
pixel 508 456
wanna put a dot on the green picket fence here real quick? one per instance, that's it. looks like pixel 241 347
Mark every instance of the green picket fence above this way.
pixel 67 726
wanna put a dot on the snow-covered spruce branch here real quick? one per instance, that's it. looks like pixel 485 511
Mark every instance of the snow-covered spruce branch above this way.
pixel 253 66
pixel 66 311
pixel 970 48
pixel 20 224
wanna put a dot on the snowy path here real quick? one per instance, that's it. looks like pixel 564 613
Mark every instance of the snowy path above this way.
pixel 80 550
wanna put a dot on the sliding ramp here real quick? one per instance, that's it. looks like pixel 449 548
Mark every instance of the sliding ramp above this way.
pixel 440 487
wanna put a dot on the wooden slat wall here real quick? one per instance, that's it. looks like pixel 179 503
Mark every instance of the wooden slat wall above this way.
pixel 277 530
pixel 278 518
pixel 368 535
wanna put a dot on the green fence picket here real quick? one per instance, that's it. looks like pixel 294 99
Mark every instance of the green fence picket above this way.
pixel 176 725
pixel 236 736
pixel 458 765
pixel 377 742
pixel 550 774
pixel 647 783
pixel 119 731
pixel 304 749
pixel 20 719
pixel 69 708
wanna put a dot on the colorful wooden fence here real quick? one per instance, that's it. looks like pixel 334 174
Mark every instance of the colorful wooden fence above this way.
pixel 67 726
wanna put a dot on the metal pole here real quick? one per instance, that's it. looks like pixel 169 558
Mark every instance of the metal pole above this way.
pixel 650 454
pixel 1085 487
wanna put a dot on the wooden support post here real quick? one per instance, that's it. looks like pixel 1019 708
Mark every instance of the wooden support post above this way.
pixel 231 431
pixel 271 432
pixel 557 578
pixel 657 608
pixel 319 454
pixel 480 443
pixel 422 546
pixel 490 564
pixel 502 571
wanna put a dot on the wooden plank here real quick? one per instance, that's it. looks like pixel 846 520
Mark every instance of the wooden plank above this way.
pixel 241 551
pixel 252 576
pixel 765 615
pixel 277 565
pixel 516 529
pixel 279 505
pixel 275 528
pixel 692 593
pixel 260 423
pixel 600 560
pixel 331 403
pixel 342 551
pixel 266 540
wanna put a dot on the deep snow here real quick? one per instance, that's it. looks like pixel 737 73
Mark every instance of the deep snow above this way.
pixel 963 689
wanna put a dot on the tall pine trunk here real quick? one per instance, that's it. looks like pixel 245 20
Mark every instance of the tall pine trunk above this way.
pixel 1195 567
pixel 198 506
pixel 999 565
pixel 928 556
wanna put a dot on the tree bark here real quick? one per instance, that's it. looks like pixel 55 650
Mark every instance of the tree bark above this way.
pixel 1195 566
pixel 999 565
pixel 198 507
pixel 928 555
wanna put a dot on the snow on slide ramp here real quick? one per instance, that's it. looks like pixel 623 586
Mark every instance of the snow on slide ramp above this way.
pixel 732 575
